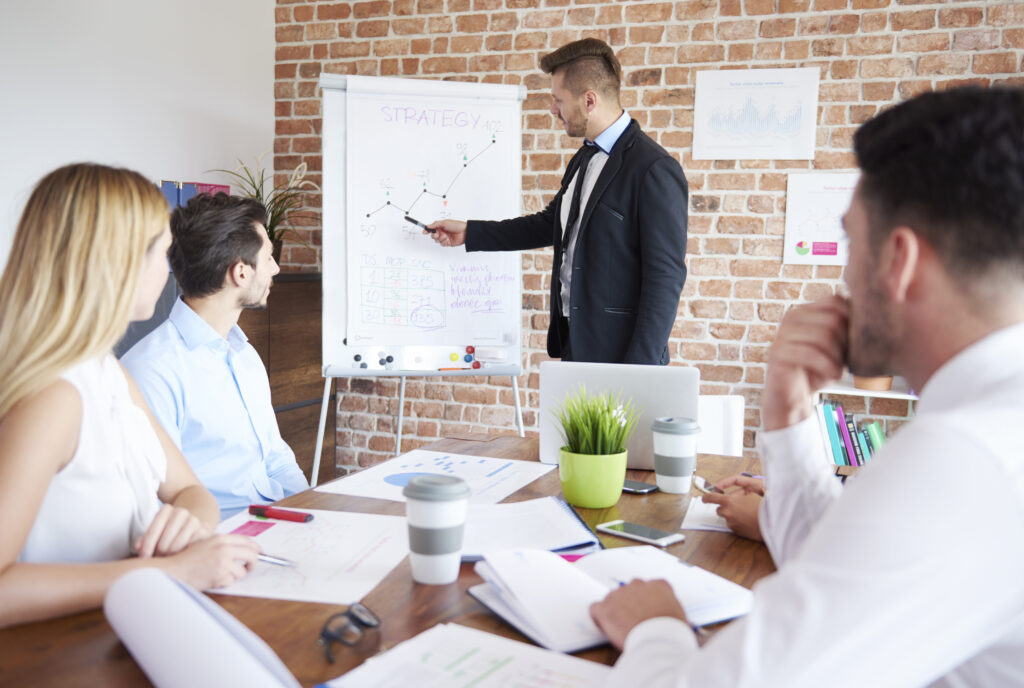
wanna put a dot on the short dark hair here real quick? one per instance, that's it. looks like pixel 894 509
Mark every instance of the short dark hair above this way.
pixel 951 166
pixel 589 64
pixel 210 234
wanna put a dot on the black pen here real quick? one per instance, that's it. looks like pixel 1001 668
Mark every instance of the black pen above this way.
pixel 419 224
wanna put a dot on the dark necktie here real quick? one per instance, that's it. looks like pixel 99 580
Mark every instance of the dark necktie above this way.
pixel 577 193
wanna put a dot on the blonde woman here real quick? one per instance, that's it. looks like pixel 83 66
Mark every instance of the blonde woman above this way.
pixel 87 477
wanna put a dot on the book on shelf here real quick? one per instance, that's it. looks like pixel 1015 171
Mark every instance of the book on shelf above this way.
pixel 544 523
pixel 846 442
pixel 548 599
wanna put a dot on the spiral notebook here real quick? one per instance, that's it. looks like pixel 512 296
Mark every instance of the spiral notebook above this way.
pixel 547 523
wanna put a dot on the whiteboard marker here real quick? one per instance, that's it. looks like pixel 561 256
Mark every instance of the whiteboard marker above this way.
pixel 419 224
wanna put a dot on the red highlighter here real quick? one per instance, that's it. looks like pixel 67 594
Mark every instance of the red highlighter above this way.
pixel 280 514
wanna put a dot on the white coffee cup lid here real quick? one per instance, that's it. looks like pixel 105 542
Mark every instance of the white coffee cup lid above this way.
pixel 674 425
pixel 436 488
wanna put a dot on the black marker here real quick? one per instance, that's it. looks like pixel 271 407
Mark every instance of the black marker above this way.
pixel 419 224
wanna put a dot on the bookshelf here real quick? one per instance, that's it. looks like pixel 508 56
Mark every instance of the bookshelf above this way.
pixel 900 390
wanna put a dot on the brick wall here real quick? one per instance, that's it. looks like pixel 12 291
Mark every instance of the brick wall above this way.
pixel 871 53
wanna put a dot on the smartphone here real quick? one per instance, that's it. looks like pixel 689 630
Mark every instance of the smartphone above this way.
pixel 638 487
pixel 635 531
pixel 704 486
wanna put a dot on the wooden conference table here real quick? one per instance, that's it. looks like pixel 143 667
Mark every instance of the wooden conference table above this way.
pixel 83 650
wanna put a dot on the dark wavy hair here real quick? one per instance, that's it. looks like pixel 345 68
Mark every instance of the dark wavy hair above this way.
pixel 210 234
pixel 951 166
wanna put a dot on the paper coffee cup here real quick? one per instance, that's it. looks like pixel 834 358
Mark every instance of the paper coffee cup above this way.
pixel 436 511
pixel 675 453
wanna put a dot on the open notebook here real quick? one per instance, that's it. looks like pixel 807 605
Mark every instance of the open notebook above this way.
pixel 548 599
pixel 547 523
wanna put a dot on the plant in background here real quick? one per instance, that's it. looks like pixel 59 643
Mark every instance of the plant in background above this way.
pixel 600 424
pixel 280 201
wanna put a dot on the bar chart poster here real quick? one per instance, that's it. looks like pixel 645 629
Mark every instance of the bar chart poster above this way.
pixel 759 114
pixel 815 204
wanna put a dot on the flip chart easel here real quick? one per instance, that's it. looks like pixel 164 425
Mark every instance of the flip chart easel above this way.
pixel 395 303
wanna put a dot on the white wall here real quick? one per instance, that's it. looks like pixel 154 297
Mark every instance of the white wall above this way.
pixel 171 89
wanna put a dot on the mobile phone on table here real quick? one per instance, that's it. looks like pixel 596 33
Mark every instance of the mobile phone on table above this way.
pixel 638 487
pixel 635 531
pixel 704 486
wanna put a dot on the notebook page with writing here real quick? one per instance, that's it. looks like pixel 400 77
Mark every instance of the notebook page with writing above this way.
pixel 546 523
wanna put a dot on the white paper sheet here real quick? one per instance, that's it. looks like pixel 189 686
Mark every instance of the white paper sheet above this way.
pixel 815 205
pixel 756 114
pixel 340 556
pixel 182 639
pixel 490 479
pixel 703 515
pixel 452 655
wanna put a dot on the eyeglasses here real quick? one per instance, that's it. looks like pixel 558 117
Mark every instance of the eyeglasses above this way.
pixel 346 628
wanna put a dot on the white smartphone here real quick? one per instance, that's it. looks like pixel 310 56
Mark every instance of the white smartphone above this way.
pixel 704 486
pixel 635 531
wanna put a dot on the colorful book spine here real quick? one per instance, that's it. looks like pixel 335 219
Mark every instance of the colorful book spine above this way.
pixel 833 434
pixel 851 429
pixel 845 434
pixel 865 445
pixel 875 434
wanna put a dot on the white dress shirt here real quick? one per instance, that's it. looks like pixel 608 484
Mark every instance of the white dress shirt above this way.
pixel 912 575
pixel 212 396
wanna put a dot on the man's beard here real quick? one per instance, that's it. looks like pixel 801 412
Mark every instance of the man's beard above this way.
pixel 872 341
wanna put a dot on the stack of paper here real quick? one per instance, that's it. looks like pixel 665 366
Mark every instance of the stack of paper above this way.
pixel 548 599
pixel 452 655
pixel 545 523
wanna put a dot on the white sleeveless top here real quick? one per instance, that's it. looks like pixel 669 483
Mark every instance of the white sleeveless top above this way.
pixel 106 496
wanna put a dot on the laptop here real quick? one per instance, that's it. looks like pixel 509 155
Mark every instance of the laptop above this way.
pixel 657 391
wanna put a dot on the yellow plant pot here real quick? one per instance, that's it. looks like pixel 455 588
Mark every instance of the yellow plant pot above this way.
pixel 591 481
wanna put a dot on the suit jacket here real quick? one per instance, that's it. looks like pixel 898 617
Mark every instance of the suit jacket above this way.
pixel 628 269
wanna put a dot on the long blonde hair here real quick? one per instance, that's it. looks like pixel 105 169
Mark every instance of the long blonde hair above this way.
pixel 67 292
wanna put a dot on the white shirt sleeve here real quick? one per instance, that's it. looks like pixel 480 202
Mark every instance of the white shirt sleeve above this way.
pixel 800 485
pixel 906 576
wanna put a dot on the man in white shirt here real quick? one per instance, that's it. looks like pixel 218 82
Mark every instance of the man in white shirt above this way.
pixel 205 383
pixel 912 574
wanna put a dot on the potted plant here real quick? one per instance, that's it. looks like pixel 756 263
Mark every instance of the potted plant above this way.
pixel 280 201
pixel 592 462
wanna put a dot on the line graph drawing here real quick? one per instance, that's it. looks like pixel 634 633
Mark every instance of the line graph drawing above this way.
pixel 753 119
pixel 462 148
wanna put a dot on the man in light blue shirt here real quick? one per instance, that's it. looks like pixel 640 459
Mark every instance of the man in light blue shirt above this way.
pixel 205 383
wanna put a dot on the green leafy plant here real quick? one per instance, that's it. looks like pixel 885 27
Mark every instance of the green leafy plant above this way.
pixel 280 201
pixel 599 424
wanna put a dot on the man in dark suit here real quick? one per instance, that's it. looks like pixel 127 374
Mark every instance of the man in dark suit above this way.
pixel 619 235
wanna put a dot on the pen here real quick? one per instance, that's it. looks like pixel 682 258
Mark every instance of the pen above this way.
pixel 278 561
pixel 751 475
pixel 419 224
pixel 440 369
pixel 280 514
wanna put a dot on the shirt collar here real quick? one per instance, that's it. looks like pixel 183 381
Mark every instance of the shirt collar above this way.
pixel 990 360
pixel 197 332
pixel 607 139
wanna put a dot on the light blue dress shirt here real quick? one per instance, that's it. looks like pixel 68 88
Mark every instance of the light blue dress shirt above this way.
pixel 212 396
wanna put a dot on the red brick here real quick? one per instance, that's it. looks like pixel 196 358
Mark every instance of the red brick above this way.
pixel 755 268
pixel 924 42
pixel 339 10
pixel 827 47
pixel 812 26
pixel 887 67
pixel 844 69
pixel 373 28
pixel 648 12
pixel 1013 38
pixel 871 22
pixel 350 49
pixel 777 28
pixel 942 64
pixel 471 23
pixel 291 52
pixel 709 308
pixel 995 63
pixel 727 331
pixel 752 7
pixel 388 48
pixel 376 8
pixel 917 20
pixel 740 224
pixel 543 20
pixel 736 30
pixel 870 4
pixel 786 6
pixel 975 39
pixel 960 17
pixel 719 373
pixel 409 26
pixel 704 9
pixel 843 23
pixel 869 45
pixel 1011 14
